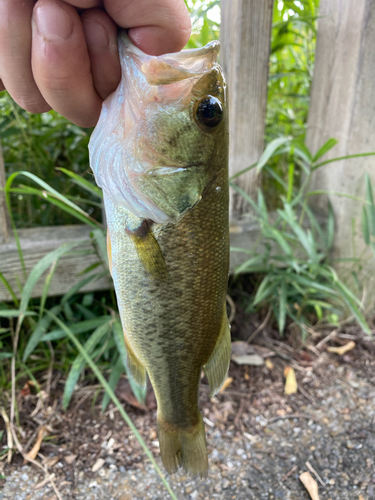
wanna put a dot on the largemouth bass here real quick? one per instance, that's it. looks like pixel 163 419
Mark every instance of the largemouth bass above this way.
pixel 160 154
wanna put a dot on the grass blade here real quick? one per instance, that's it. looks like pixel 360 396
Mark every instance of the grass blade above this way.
pixel 365 226
pixel 37 335
pixel 117 371
pixel 83 183
pixel 282 307
pixel 324 149
pixel 9 288
pixel 118 335
pixel 37 272
pixel 80 362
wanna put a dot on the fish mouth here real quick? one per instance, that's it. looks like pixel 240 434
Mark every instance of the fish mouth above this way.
pixel 173 67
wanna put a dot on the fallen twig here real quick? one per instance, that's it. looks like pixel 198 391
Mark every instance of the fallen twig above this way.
pixel 292 470
pixel 9 434
pixel 329 337
pixel 232 308
pixel 261 327
pixel 291 416
pixel 305 393
pixel 311 469
pixel 20 449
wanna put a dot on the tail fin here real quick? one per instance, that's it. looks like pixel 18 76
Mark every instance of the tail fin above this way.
pixel 184 448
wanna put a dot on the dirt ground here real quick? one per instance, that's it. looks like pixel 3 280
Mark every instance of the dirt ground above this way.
pixel 259 439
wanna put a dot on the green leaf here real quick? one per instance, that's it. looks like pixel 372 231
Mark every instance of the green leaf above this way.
pixel 9 288
pixel 340 158
pixel 77 287
pixel 59 199
pixel 371 206
pixel 80 361
pixel 352 304
pixel 38 270
pixel 245 195
pixel 249 264
pixel 324 149
pixel 118 335
pixel 270 151
pixel 330 226
pixel 264 289
pixel 47 284
pixel 101 243
pixel 365 226
pixel 14 313
pixel 117 371
pixel 5 355
pixel 282 307
pixel 81 327
pixel 37 335
pixel 84 183
pixel 303 237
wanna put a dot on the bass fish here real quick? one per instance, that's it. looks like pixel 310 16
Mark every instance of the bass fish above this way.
pixel 160 155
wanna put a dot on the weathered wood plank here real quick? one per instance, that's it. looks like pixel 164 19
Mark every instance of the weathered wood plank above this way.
pixel 343 107
pixel 38 242
pixel 4 216
pixel 245 49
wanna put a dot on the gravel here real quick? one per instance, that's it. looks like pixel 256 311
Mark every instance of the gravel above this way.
pixel 257 453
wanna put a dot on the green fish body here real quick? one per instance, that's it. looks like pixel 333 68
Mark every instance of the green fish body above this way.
pixel 160 153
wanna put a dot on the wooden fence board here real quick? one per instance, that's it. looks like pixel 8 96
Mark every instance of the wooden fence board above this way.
pixel 38 242
pixel 245 50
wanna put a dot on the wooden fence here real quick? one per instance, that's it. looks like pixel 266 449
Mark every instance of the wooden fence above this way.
pixel 342 106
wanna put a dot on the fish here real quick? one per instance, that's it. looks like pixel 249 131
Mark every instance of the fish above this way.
pixel 160 154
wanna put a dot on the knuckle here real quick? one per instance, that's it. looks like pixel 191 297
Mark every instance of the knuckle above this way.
pixel 32 105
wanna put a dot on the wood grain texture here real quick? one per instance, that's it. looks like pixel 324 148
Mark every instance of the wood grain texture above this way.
pixel 4 216
pixel 343 107
pixel 38 242
pixel 245 50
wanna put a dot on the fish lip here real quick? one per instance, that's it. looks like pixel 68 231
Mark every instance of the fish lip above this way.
pixel 210 47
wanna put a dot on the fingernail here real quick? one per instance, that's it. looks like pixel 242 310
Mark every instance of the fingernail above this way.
pixel 96 35
pixel 53 23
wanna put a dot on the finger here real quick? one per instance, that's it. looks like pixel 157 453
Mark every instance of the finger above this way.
pixel 155 26
pixel 15 55
pixel 61 63
pixel 101 38
pixel 85 4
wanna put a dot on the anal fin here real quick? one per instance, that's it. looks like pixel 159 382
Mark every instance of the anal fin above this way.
pixel 216 368
pixel 135 367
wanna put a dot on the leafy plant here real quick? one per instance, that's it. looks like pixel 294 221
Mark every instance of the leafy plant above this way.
pixel 292 256
pixel 97 323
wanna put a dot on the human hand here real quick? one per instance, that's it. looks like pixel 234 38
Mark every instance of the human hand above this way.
pixel 55 56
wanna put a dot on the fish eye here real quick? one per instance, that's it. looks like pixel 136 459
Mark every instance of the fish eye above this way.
pixel 209 112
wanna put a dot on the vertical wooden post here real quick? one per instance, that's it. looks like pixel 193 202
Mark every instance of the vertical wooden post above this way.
pixel 245 49
pixel 4 216
pixel 343 107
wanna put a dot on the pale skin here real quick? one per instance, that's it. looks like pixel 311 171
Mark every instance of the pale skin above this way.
pixel 62 54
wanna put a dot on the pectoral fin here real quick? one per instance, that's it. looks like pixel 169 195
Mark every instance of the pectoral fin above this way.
pixel 149 251
pixel 216 368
